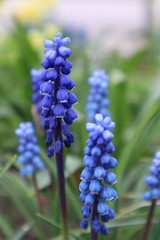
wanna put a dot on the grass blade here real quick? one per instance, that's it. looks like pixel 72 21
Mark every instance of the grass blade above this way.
pixel 7 166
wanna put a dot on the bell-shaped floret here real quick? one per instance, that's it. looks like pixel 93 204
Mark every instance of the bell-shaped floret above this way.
pixel 110 178
pixel 95 186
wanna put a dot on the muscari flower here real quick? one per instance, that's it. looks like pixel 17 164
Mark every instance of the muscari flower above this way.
pixel 97 100
pixel 36 83
pixel 98 163
pixel 153 180
pixel 57 101
pixel 28 150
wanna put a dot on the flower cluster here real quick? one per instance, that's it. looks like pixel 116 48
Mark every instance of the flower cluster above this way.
pixel 28 149
pixel 36 82
pixel 97 101
pixel 97 173
pixel 153 180
pixel 57 101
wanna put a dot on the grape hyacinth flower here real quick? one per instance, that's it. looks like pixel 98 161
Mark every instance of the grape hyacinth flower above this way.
pixel 28 150
pixel 153 180
pixel 98 163
pixel 97 101
pixel 153 183
pixel 36 82
pixel 57 109
pixel 57 101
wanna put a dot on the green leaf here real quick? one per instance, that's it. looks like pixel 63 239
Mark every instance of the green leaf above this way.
pixel 19 195
pixel 7 166
pixel 129 153
pixel 47 220
pixel 20 233
pixel 5 226
pixel 53 224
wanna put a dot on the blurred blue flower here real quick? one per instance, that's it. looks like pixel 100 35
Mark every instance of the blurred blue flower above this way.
pixel 98 163
pixel 97 101
pixel 57 102
pixel 153 180
pixel 28 150
pixel 36 82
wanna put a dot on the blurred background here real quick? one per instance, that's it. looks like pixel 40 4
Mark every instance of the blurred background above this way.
pixel 120 36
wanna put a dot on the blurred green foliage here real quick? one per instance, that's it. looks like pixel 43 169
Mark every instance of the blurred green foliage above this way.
pixel 135 107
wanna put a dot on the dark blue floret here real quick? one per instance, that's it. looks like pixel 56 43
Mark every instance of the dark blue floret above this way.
pixel 59 111
pixel 104 230
pixel 84 224
pixel 45 63
pixel 82 196
pixel 62 95
pixel 59 61
pixel 50 152
pixel 47 102
pixel 72 99
pixel 86 211
pixel 45 112
pixel 96 225
pixel 58 146
pixel 47 88
pixel 109 194
pixel 86 174
pixel 110 178
pixel 45 123
pixel 89 199
pixel 65 130
pixel 52 74
pixel 99 172
pixel 95 186
pixel 102 208
pixel 84 186
pixel 70 116
pixel 90 162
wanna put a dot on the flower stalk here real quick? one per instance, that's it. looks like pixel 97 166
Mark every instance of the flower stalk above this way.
pixel 94 235
pixel 60 171
pixel 62 194
pixel 149 220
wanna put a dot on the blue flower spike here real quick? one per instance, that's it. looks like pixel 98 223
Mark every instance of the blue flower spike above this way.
pixel 28 150
pixel 58 114
pixel 97 101
pixel 57 100
pixel 36 82
pixel 97 173
pixel 153 180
